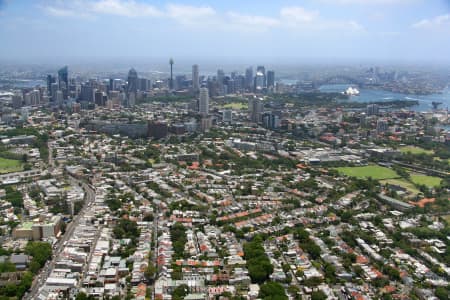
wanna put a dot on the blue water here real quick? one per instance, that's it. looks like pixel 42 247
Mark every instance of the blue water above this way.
pixel 368 95
pixel 29 83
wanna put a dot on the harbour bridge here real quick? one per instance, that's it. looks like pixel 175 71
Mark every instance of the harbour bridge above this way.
pixel 339 79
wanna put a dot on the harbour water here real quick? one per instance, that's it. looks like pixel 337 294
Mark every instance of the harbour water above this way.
pixel 369 95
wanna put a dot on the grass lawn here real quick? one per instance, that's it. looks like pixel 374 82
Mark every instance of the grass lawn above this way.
pixel 415 150
pixel 9 165
pixel 446 218
pixel 376 172
pixel 429 181
pixel 442 160
pixel 403 183
pixel 236 105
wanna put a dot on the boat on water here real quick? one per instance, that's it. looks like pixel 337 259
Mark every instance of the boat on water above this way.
pixel 351 91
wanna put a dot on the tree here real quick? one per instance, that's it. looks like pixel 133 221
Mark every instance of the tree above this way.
pixel 312 249
pixel 313 281
pixel 441 293
pixel 302 235
pixel 41 252
pixel 272 291
pixel 179 239
pixel 329 270
pixel 81 296
pixel 84 296
pixel 180 292
pixel 7 267
pixel 258 264
pixel 150 271
pixel 393 273
pixel 126 229
pixel 318 295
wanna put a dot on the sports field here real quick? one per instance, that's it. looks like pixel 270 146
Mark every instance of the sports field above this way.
pixel 403 183
pixel 9 165
pixel 415 150
pixel 236 105
pixel 429 181
pixel 376 172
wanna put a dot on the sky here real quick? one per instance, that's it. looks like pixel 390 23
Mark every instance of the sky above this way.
pixel 42 31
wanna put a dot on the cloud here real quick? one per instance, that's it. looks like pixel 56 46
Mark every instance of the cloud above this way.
pixel 125 8
pixel 251 21
pixel 369 2
pixel 190 15
pixel 289 17
pixel 436 22
pixel 60 12
pixel 297 14
pixel 84 8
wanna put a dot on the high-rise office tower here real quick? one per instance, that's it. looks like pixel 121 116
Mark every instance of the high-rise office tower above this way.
pixel 231 86
pixel 203 105
pixel 132 79
pixel 98 98
pixel 262 70
pixel 180 81
pixel 195 79
pixel 117 84
pixel 271 120
pixel 270 79
pixel 255 110
pixel 220 80
pixel 240 83
pixel 171 74
pixel 63 81
pixel 382 125
pixel 144 84
pixel 53 90
pixel 227 115
pixel 59 98
pixel 249 79
pixel 50 80
pixel 17 100
pixel 372 109
pixel 87 93
pixel 259 81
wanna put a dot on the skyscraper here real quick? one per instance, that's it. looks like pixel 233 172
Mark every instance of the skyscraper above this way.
pixel 86 93
pixel 270 79
pixel 63 81
pixel 171 74
pixel 53 90
pixel 255 109
pixel 382 125
pixel 203 105
pixel 132 86
pixel 262 70
pixel 59 98
pixel 98 98
pixel 372 109
pixel 50 81
pixel 249 79
pixel 220 80
pixel 259 81
pixel 227 115
pixel 144 84
pixel 17 100
pixel 195 79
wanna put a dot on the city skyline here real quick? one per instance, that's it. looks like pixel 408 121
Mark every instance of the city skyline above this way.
pixel 345 30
